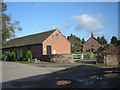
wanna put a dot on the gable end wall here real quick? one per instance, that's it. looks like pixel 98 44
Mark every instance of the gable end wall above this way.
pixel 88 45
pixel 60 45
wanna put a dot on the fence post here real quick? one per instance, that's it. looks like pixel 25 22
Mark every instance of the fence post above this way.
pixel 82 56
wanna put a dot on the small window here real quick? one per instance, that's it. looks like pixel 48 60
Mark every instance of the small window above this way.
pixel 52 35
pixel 57 35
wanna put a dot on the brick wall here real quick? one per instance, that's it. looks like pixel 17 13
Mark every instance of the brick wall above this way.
pixel 58 58
pixel 60 45
pixel 35 49
pixel 111 60
pixel 88 45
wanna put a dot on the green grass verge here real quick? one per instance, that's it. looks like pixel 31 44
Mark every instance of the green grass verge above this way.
pixel 102 65
pixel 26 62
pixel 43 62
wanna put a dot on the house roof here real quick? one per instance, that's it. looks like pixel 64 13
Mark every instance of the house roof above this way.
pixel 97 40
pixel 28 40
pixel 94 39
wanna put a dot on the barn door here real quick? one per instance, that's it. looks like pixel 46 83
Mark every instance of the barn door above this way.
pixel 48 49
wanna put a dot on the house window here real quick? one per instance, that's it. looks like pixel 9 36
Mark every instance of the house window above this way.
pixel 52 35
pixel 57 35
pixel 92 48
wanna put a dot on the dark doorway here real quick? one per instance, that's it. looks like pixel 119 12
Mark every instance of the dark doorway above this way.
pixel 92 48
pixel 48 49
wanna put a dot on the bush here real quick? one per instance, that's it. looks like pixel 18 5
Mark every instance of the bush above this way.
pixel 29 55
pixel 5 55
pixel 95 55
pixel 19 53
pixel 100 58
pixel 12 56
pixel 24 59
pixel 89 55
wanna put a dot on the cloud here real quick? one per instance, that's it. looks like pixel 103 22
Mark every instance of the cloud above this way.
pixel 36 5
pixel 92 23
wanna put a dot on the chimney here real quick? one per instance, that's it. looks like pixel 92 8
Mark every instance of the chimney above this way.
pixel 92 34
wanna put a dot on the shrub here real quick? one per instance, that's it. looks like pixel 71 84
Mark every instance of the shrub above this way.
pixel 5 55
pixel 89 55
pixel 19 53
pixel 29 55
pixel 100 58
pixel 12 56
pixel 95 55
pixel 24 59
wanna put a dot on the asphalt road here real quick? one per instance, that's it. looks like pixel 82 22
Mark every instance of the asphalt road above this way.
pixel 17 75
pixel 13 71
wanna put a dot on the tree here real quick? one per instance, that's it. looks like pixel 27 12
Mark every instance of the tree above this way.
pixel 103 40
pixel 75 43
pixel 5 55
pixel 29 55
pixel 8 28
pixel 83 41
pixel 98 39
pixel 118 42
pixel 114 40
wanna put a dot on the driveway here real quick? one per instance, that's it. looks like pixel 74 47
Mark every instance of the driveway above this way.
pixel 17 75
pixel 13 71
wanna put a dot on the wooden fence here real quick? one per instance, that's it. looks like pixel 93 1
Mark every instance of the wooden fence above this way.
pixel 82 58
pixel 78 56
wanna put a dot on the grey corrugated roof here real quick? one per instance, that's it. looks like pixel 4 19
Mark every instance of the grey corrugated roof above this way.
pixel 28 40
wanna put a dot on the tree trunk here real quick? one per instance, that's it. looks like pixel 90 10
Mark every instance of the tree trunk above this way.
pixel 5 58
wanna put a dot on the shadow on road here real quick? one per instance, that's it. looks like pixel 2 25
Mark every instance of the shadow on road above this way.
pixel 74 77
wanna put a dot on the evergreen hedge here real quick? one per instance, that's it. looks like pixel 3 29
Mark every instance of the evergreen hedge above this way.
pixel 29 55
pixel 12 56
pixel 5 55
pixel 19 53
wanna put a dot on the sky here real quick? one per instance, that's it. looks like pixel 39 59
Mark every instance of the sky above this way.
pixel 77 18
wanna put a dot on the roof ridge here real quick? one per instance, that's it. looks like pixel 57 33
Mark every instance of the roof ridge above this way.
pixel 97 40
pixel 33 34
pixel 93 38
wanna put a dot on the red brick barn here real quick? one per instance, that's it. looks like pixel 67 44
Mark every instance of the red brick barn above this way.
pixel 45 43
pixel 91 45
